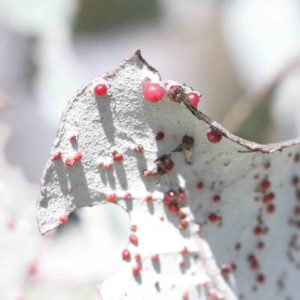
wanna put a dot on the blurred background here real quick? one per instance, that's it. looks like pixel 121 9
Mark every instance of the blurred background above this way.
pixel 243 56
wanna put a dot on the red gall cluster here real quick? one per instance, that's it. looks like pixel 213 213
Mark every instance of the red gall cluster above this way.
pixel 171 198
pixel 260 245
pixel 136 269
pixel 265 184
pixel 100 89
pixel 226 269
pixel 260 278
pixel 33 267
pixel 168 164
pixel 73 159
pixel 149 197
pixel 73 137
pixel 57 155
pixel 257 230
pixel 139 148
pixel 153 92
pixel 213 136
pixel 199 185
pixel 212 217
pixel 160 136
pixel 63 219
pixel 295 180
pixel 184 250
pixel 117 156
pixel 171 90
pixel 108 165
pixel 254 265
pixel 297 210
pixel 185 295
pixel 112 197
pixel 154 257
pixel 269 197
pixel 146 173
pixel 127 196
pixel 126 254
pixel 271 208
pixel 193 97
pixel 133 239
pixel 217 198
pixel 100 163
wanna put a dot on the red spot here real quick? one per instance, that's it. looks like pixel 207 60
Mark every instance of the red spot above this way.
pixel 265 184
pixel 257 230
pixel 160 136
pixel 295 180
pixel 126 254
pixel 251 258
pixel 171 195
pixel 112 197
pixel 260 278
pixel 33 268
pixel 254 265
pixel 153 92
pixel 139 148
pixel 166 201
pixel 100 164
pixel 194 98
pixel 173 207
pixel 73 137
pixel 149 197
pixel 127 196
pixel 260 245
pixel 185 295
pixel 184 250
pixel 57 155
pixel 253 262
pixel 136 269
pixel 137 257
pixel 146 173
pixel 168 164
pixel 63 219
pixel 269 197
pixel 297 210
pixel 182 263
pixel 226 269
pixel 77 156
pixel 117 156
pixel 134 228
pixel 297 157
pixel 182 197
pixel 217 198
pixel 213 218
pixel 10 224
pixel 271 208
pixel 213 136
pixel 108 165
pixel 199 185
pixel 154 257
pixel 212 294
pixel 171 90
pixel 233 267
pixel 100 89
pixel 133 239
pixel 70 161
